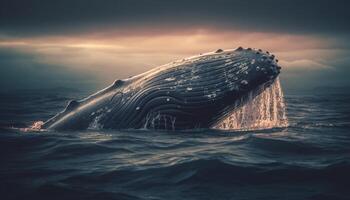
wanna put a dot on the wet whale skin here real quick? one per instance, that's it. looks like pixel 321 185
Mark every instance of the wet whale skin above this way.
pixel 195 92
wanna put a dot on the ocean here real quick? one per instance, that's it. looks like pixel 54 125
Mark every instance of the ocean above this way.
pixel 308 159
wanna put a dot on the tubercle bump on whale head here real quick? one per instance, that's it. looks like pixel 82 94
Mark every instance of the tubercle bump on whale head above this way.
pixel 263 68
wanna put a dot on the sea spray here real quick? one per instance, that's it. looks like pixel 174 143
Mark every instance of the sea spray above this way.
pixel 154 120
pixel 265 111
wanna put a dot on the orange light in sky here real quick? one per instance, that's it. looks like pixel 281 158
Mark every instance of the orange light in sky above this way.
pixel 119 55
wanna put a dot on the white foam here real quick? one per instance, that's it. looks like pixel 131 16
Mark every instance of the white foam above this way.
pixel 95 124
pixel 265 111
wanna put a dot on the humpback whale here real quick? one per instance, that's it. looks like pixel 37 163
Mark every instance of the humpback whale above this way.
pixel 195 92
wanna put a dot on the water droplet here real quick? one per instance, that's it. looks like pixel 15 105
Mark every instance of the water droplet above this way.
pixel 170 79
pixel 211 95
pixel 244 82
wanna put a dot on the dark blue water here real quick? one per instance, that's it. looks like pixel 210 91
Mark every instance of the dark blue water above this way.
pixel 308 160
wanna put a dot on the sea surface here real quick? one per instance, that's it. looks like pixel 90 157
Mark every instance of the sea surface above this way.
pixel 309 159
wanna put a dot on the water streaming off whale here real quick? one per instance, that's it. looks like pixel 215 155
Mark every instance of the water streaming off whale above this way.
pixel 267 110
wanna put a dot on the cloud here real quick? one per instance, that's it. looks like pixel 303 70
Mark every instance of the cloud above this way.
pixel 75 42
pixel 110 56
pixel 305 65
pixel 316 72
pixel 36 17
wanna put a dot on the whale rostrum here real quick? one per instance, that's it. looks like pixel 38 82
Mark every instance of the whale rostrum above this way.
pixel 196 92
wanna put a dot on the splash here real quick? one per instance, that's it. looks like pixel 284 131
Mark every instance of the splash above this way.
pixel 154 120
pixel 95 125
pixel 35 127
pixel 265 111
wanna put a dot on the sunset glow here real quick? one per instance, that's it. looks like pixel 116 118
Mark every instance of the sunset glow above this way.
pixel 112 56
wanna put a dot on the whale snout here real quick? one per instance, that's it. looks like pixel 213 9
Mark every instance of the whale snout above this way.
pixel 267 62
pixel 262 67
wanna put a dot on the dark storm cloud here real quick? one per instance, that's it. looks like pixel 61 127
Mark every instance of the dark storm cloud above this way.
pixel 19 17
pixel 54 43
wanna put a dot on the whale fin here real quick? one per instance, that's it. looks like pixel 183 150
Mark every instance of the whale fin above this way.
pixel 71 105
pixel 117 83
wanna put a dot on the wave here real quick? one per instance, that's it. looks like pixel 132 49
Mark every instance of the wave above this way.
pixel 196 176
pixel 309 159
pixel 139 164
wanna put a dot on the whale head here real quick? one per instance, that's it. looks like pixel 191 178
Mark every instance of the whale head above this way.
pixel 226 79
pixel 199 91
pixel 257 70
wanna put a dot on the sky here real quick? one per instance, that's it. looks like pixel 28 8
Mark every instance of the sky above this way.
pixel 87 44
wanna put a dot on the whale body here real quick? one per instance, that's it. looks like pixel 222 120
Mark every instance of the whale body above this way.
pixel 196 92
